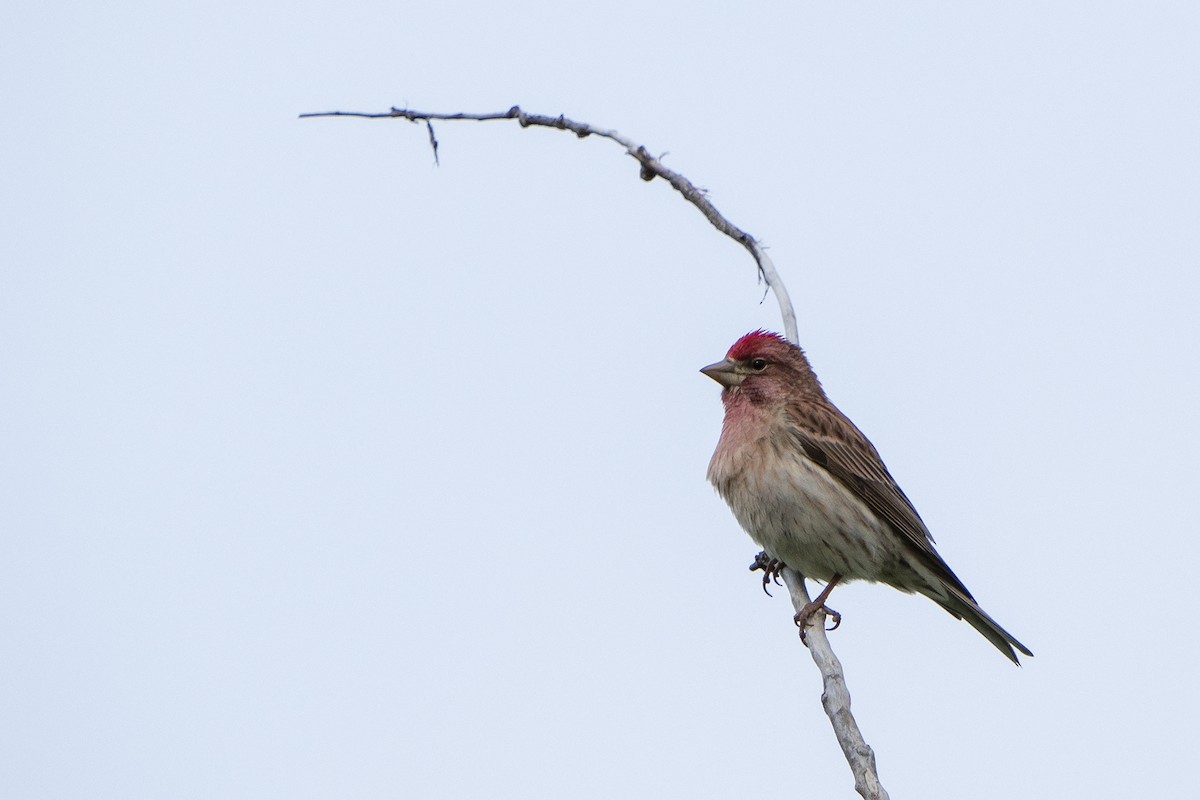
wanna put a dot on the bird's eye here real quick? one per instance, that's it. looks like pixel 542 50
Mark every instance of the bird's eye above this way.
pixel 758 364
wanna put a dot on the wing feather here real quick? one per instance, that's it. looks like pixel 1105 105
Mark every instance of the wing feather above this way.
pixel 833 442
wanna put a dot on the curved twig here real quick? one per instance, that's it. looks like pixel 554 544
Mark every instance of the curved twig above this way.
pixel 651 168
pixel 835 698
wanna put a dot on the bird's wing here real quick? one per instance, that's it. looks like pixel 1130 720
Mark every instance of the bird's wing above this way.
pixel 833 442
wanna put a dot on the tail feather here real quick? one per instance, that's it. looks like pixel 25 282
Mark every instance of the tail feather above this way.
pixel 963 607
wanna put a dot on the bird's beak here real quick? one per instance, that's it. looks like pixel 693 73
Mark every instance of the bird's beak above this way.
pixel 724 372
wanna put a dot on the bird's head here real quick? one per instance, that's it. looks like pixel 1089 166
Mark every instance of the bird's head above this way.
pixel 765 366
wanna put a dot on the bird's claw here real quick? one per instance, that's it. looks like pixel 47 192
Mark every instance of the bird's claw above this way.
pixel 804 615
pixel 817 606
pixel 772 568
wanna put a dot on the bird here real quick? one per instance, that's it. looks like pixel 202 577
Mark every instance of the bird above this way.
pixel 813 492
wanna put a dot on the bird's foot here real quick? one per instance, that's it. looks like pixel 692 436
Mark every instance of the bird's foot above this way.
pixel 805 615
pixel 771 567
pixel 816 606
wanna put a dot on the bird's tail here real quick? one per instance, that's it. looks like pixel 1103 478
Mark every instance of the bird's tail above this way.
pixel 964 607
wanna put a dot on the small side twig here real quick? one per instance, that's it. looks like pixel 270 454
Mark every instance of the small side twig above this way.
pixel 433 142
pixel 651 167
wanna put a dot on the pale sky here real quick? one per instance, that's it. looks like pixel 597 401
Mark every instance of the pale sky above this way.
pixel 329 473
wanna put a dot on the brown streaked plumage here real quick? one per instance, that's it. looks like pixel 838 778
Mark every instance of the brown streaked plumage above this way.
pixel 808 486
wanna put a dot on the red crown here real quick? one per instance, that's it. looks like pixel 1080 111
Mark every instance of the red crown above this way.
pixel 754 343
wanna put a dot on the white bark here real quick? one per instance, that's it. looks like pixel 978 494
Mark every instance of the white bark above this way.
pixel 835 697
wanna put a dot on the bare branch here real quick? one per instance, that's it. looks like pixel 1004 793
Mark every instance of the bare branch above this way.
pixel 835 698
pixel 651 167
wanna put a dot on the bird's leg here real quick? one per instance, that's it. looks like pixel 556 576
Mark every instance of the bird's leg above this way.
pixel 771 567
pixel 818 604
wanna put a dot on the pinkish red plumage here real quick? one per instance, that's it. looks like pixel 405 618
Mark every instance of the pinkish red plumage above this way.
pixel 808 486
pixel 753 341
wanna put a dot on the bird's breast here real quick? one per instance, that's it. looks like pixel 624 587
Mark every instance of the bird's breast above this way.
pixel 796 510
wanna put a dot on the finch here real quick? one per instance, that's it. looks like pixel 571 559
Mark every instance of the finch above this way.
pixel 812 491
